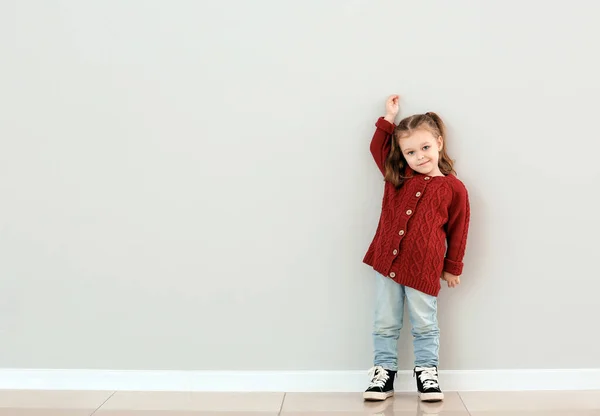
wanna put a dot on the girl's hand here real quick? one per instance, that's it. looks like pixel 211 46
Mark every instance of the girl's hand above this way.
pixel 391 108
pixel 452 280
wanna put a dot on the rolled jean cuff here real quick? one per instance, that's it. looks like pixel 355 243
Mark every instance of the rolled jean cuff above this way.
pixel 427 364
pixel 393 367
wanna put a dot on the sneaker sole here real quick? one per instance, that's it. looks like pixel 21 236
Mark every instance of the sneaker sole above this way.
pixel 431 397
pixel 374 396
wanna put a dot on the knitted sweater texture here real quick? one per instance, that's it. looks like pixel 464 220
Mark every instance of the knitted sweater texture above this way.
pixel 423 226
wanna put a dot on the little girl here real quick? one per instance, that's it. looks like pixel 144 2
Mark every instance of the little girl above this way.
pixel 421 237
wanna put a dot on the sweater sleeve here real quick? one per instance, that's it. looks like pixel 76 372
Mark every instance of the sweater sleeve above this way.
pixel 457 229
pixel 380 144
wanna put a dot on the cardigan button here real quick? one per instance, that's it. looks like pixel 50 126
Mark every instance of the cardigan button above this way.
pixel 418 194
pixel 427 178
pixel 409 212
pixel 392 275
pixel 395 252
pixel 401 232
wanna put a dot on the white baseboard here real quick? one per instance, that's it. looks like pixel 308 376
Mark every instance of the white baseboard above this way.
pixel 289 381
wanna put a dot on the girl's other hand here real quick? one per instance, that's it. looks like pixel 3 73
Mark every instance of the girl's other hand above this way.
pixel 452 280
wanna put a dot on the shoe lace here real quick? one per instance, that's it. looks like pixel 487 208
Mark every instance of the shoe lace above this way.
pixel 378 376
pixel 428 377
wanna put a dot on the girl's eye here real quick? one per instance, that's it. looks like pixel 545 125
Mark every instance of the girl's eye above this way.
pixel 426 147
pixel 410 153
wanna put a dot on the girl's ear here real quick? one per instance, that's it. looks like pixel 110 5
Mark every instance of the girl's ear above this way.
pixel 440 142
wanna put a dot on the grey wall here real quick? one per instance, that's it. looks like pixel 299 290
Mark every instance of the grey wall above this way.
pixel 188 184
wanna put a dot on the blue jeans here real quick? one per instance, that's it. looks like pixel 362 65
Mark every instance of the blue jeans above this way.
pixel 389 316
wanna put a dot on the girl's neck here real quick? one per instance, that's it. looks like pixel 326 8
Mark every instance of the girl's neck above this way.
pixel 436 172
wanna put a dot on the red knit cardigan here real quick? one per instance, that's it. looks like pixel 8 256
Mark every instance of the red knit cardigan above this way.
pixel 423 226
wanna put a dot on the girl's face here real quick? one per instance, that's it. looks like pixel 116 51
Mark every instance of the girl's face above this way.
pixel 422 152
